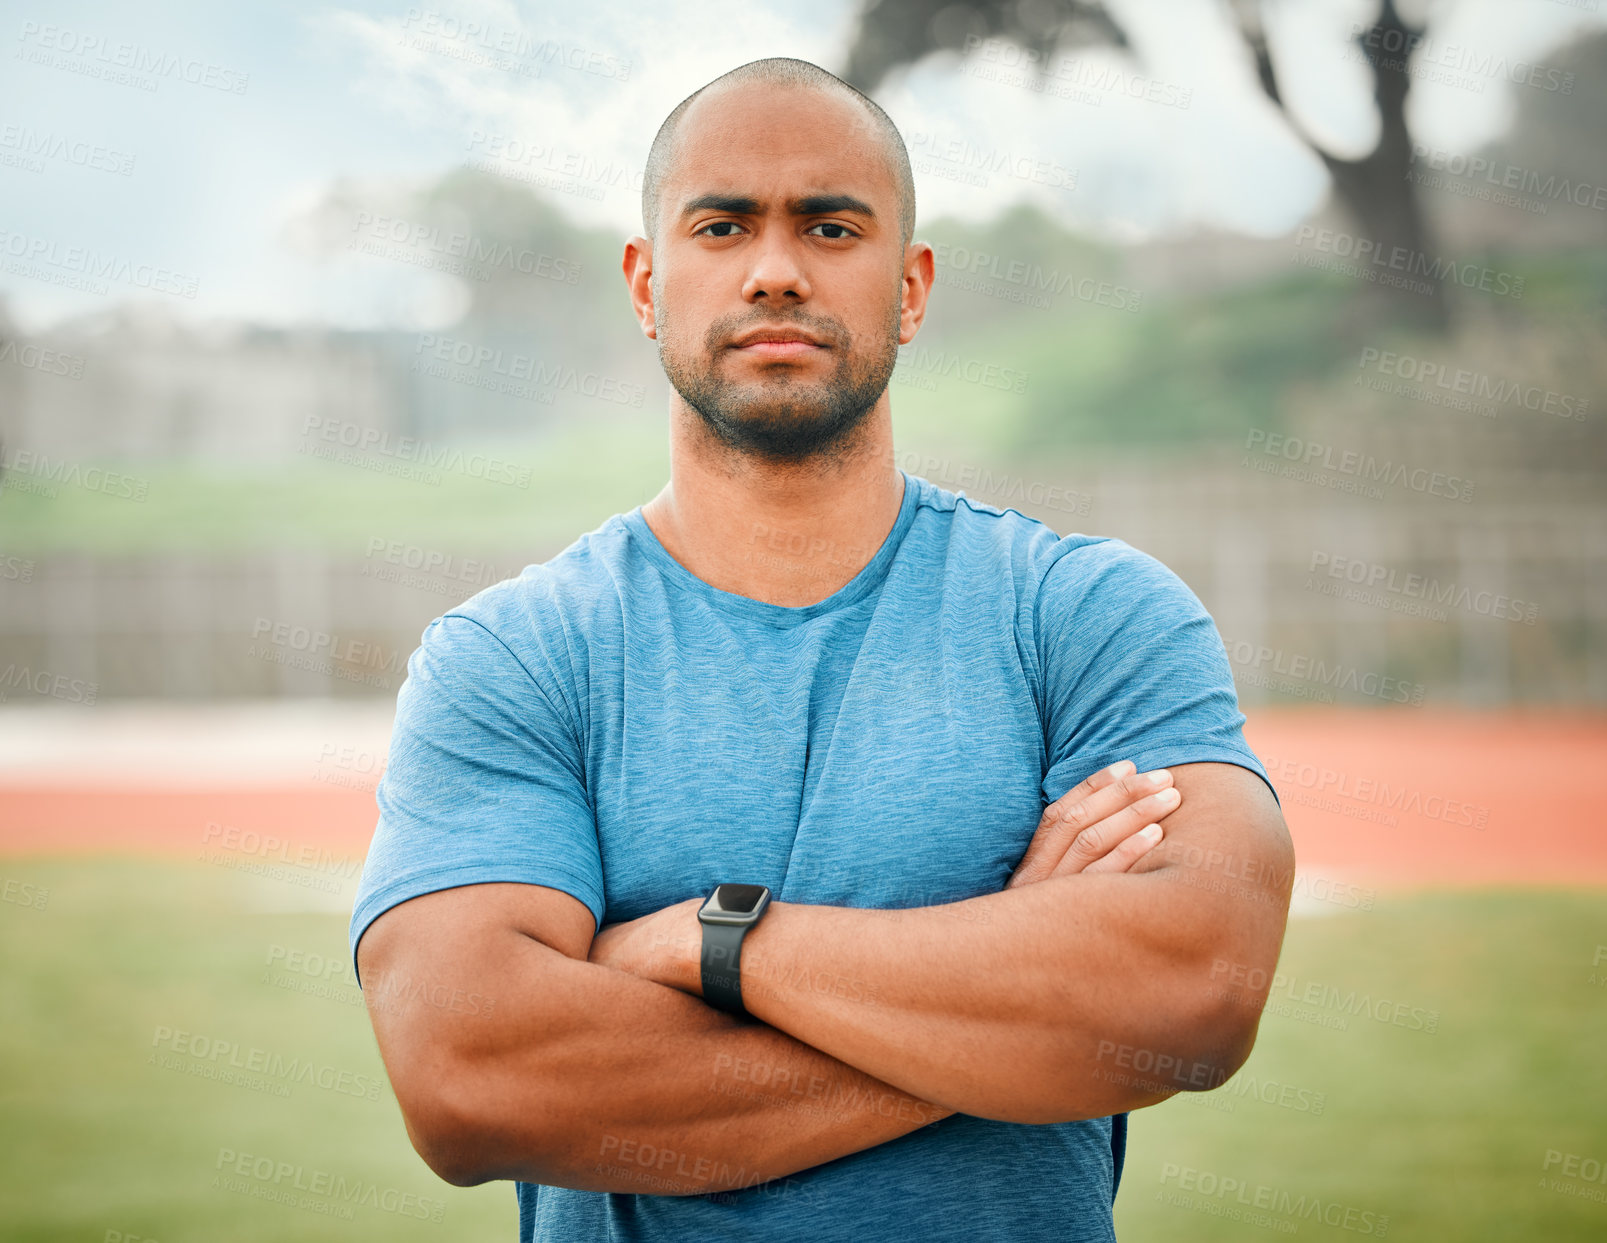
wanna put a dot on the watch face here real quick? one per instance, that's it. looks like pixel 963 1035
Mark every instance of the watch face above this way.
pixel 734 899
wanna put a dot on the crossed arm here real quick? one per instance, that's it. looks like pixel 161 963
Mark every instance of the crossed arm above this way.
pixel 1084 988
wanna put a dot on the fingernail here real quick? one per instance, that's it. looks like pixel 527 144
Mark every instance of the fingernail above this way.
pixel 1161 774
pixel 1169 795
pixel 1150 833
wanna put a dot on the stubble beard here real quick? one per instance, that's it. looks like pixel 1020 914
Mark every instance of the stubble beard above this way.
pixel 779 416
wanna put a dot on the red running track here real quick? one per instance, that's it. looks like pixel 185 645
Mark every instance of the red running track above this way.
pixel 1395 799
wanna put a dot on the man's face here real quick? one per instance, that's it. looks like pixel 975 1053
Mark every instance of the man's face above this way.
pixel 763 228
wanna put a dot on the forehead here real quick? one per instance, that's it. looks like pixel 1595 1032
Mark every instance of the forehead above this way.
pixel 751 137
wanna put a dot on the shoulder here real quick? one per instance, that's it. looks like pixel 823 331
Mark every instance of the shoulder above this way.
pixel 1097 594
pixel 543 622
pixel 1004 540
pixel 1076 568
pixel 566 589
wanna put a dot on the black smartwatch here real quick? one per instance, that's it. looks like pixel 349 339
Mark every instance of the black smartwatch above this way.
pixel 726 916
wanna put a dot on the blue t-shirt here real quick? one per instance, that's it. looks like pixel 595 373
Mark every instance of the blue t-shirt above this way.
pixel 610 725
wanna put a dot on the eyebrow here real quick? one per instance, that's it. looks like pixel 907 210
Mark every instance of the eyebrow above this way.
pixel 808 205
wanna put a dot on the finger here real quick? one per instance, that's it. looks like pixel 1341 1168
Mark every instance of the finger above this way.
pixel 1109 798
pixel 1064 820
pixel 1097 781
pixel 1056 814
pixel 1129 851
pixel 1098 840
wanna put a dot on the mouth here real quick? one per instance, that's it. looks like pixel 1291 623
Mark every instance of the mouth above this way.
pixel 779 343
pixel 794 348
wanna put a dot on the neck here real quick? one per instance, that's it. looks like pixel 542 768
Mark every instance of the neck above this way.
pixel 788 533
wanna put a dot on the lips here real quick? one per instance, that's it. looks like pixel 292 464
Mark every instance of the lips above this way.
pixel 775 338
pixel 779 349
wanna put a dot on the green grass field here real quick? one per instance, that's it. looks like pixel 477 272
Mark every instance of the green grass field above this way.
pixel 1342 1109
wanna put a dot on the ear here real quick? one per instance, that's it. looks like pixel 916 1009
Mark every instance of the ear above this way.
pixel 920 273
pixel 638 268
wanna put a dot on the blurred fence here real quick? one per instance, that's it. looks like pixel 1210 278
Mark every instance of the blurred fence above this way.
pixel 1327 600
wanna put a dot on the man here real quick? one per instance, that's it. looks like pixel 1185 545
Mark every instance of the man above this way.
pixel 802 668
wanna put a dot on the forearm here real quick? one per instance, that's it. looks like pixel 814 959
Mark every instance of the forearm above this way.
pixel 635 1087
pixel 1030 1011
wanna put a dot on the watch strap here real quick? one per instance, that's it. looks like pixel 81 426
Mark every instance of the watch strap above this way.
pixel 722 967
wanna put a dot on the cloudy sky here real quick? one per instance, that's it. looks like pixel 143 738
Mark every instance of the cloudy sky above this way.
pixel 190 145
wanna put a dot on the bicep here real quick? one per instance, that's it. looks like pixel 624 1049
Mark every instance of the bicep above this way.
pixel 451 929
pixel 1228 851
pixel 434 969
pixel 426 961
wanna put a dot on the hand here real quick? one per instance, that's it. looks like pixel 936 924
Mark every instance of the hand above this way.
pixel 1106 824
pixel 665 947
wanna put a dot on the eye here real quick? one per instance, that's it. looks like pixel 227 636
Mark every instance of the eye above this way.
pixel 842 233
pixel 719 224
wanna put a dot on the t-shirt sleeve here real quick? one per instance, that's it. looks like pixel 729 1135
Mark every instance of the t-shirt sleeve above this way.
pixel 1132 667
pixel 484 782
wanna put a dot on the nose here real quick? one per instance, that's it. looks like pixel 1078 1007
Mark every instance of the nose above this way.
pixel 776 268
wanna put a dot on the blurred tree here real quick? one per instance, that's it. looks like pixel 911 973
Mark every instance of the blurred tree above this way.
pixel 1375 189
pixel 1564 135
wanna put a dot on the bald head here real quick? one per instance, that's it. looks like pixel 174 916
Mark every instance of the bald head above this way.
pixel 784 73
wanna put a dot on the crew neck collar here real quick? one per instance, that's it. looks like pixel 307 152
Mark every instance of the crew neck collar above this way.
pixel 868 578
